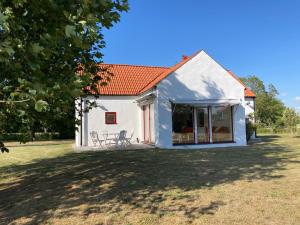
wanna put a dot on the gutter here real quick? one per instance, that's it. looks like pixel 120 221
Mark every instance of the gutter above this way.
pixel 81 121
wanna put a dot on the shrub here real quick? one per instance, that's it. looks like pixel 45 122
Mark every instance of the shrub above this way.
pixel 264 130
pixel 250 129
pixel 276 130
pixel 25 137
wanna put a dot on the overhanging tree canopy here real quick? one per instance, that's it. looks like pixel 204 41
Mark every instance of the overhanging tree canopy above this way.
pixel 41 45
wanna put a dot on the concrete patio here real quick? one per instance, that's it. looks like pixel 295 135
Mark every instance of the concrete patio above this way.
pixel 113 147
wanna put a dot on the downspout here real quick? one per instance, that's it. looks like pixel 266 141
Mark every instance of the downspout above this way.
pixel 254 106
pixel 81 121
pixel 210 124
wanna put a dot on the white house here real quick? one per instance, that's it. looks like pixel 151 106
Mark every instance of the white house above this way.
pixel 193 104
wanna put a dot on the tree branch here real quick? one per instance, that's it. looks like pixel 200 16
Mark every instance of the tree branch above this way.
pixel 18 101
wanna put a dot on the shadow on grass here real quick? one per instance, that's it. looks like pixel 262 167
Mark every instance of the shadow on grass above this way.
pixel 269 138
pixel 106 182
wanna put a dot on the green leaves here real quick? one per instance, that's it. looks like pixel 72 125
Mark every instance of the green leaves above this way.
pixel 269 109
pixel 41 106
pixel 290 118
pixel 5 13
pixel 82 22
pixel 41 45
pixel 32 92
pixel 34 66
pixel 6 49
pixel 70 30
pixel 36 48
pixel 2 18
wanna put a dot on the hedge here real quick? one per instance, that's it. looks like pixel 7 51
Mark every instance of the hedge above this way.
pixel 42 136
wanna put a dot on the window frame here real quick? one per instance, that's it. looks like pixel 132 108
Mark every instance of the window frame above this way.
pixel 115 118
pixel 193 125
pixel 210 126
pixel 232 131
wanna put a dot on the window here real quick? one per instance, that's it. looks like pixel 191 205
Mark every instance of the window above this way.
pixel 183 127
pixel 222 124
pixel 110 118
pixel 202 125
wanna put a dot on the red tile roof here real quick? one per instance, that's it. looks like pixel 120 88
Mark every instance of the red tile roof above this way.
pixel 134 80
pixel 249 93
pixel 129 79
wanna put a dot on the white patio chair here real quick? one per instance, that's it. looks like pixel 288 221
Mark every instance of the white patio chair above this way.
pixel 128 139
pixel 122 138
pixel 95 139
pixel 105 137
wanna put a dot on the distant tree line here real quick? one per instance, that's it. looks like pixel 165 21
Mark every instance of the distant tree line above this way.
pixel 15 126
pixel 270 111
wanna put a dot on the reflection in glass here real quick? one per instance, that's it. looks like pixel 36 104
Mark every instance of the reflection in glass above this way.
pixel 183 129
pixel 184 121
pixel 202 125
pixel 221 124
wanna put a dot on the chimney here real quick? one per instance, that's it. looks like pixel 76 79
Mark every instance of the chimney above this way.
pixel 184 57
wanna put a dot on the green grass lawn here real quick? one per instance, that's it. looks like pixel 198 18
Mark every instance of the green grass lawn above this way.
pixel 47 183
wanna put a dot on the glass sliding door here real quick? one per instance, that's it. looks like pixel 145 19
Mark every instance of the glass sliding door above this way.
pixel 202 125
pixel 221 119
pixel 183 124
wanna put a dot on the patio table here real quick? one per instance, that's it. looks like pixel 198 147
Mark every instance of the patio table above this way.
pixel 111 137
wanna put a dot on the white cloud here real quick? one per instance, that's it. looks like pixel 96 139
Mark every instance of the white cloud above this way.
pixel 297 99
pixel 284 94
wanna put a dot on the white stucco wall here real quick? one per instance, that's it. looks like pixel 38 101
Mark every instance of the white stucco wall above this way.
pixel 152 123
pixel 249 106
pixel 249 111
pixel 199 79
pixel 128 118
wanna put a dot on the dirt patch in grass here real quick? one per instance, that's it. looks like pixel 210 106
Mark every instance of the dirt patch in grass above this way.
pixel 258 184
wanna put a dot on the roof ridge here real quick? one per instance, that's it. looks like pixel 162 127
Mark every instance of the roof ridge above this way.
pixel 236 77
pixel 230 72
pixel 118 64
pixel 171 70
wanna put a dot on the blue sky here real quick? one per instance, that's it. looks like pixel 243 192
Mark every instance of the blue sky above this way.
pixel 257 37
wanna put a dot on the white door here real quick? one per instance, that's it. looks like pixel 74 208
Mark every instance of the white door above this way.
pixel 148 123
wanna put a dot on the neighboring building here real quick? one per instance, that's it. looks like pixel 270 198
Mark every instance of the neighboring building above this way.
pixel 193 104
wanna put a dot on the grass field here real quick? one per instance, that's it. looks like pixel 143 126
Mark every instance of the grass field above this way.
pixel 47 183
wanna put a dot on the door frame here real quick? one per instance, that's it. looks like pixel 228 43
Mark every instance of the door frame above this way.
pixel 147 119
